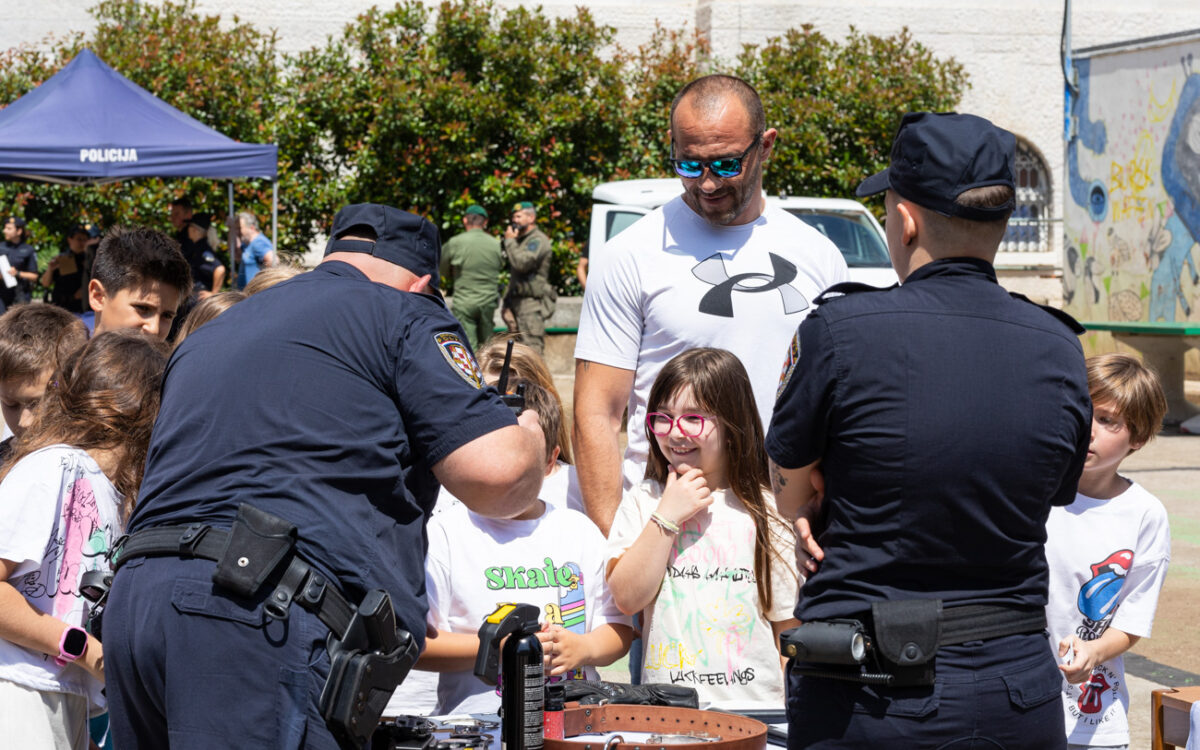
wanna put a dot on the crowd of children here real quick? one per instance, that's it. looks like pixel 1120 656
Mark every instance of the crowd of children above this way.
pixel 699 549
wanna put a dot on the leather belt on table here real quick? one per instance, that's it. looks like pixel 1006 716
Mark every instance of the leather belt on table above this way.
pixel 736 732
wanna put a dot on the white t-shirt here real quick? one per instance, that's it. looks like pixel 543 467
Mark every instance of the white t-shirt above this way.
pixel 417 695
pixel 59 515
pixel 1107 562
pixel 555 562
pixel 704 628
pixel 673 282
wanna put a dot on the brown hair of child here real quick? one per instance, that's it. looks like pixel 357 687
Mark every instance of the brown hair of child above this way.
pixel 1131 388
pixel 105 396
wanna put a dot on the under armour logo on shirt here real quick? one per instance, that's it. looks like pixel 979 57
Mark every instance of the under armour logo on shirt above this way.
pixel 719 300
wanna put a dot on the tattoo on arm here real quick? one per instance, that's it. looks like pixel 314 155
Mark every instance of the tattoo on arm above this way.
pixel 778 481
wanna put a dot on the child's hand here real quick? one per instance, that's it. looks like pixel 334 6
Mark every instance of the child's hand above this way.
pixel 684 496
pixel 1082 662
pixel 563 650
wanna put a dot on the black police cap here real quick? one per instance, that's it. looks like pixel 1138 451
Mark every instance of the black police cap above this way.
pixel 400 237
pixel 938 156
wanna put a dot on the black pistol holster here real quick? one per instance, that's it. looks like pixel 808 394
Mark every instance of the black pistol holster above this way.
pixel 368 655
pixel 898 646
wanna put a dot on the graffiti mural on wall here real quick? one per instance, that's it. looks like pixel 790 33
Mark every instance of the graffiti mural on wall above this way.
pixel 1132 214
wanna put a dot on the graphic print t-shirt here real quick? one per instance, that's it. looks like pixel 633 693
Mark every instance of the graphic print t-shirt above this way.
pixel 704 629
pixel 674 282
pixel 1107 559
pixel 59 515
pixel 555 562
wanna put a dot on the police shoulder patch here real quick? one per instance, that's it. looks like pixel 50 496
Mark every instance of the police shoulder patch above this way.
pixel 789 364
pixel 459 357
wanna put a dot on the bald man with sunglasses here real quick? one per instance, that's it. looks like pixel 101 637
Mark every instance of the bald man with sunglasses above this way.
pixel 714 267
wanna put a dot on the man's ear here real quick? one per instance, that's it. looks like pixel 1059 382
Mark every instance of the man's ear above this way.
pixel 420 285
pixel 768 142
pixel 910 222
pixel 97 296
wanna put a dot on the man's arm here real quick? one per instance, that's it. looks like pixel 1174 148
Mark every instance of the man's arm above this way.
pixel 218 278
pixel 799 501
pixel 526 259
pixel 498 473
pixel 601 394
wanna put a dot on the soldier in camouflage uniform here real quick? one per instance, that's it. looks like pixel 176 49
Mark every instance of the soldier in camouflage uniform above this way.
pixel 530 296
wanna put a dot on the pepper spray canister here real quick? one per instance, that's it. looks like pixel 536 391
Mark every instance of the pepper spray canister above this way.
pixel 522 674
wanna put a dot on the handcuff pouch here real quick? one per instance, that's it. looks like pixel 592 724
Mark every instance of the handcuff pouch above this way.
pixel 258 543
pixel 906 635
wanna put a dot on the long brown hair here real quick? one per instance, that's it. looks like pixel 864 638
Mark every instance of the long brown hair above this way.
pixel 721 387
pixel 105 396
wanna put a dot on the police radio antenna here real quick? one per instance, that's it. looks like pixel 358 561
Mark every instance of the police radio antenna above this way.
pixel 502 386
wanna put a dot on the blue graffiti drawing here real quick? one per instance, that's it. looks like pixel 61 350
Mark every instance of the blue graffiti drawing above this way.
pixel 1091 194
pixel 1181 181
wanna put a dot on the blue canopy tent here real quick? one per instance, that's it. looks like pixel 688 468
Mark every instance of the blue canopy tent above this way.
pixel 89 125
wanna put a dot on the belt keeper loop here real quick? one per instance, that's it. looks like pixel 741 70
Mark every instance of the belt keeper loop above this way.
pixel 314 590
pixel 191 538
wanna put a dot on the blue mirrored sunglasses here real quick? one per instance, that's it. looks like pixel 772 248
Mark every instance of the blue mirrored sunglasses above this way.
pixel 725 167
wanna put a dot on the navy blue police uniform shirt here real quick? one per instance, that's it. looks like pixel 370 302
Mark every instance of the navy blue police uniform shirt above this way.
pixel 948 416
pixel 324 400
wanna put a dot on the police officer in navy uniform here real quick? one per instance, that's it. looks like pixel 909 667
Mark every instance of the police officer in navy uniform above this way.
pixel 945 416
pixel 365 398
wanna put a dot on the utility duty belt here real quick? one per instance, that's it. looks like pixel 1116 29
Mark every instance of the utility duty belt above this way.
pixel 897 647
pixel 368 655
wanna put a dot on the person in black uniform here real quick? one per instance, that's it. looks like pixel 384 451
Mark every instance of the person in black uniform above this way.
pixel 22 264
pixel 364 398
pixel 941 419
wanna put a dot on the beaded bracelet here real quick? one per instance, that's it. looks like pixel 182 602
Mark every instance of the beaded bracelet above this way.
pixel 664 524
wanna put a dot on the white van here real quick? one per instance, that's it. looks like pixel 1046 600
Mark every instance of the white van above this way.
pixel 616 205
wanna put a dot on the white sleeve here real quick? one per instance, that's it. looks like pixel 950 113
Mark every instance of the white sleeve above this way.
pixel 28 509
pixel 438 588
pixel 610 324
pixel 632 516
pixel 1144 581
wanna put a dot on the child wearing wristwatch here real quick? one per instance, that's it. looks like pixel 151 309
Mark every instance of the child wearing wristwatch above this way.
pixel 65 494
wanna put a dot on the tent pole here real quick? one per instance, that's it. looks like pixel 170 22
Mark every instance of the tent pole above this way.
pixel 233 275
pixel 275 216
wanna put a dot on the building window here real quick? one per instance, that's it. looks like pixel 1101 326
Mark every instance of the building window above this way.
pixel 1029 227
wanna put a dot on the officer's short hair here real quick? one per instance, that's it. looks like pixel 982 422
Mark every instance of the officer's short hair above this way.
pixel 545 405
pixel 37 338
pixel 709 93
pixel 128 257
pixel 475 220
pixel 1123 383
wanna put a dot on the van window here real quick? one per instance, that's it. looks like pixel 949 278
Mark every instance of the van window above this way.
pixel 853 234
pixel 619 221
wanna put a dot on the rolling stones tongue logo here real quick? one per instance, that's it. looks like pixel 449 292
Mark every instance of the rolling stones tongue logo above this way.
pixel 1090 699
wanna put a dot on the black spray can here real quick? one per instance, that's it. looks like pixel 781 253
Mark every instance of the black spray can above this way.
pixel 522 675
pixel 521 693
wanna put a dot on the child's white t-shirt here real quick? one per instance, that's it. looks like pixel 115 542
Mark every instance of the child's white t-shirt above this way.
pixel 1107 562
pixel 704 629
pixel 59 516
pixel 555 562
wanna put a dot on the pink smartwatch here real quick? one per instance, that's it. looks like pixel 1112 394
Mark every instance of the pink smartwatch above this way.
pixel 71 646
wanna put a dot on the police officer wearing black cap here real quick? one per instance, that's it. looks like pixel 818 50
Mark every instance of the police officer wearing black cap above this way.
pixel 274 538
pixel 945 416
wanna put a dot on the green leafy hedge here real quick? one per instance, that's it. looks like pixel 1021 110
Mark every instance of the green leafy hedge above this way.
pixel 432 109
